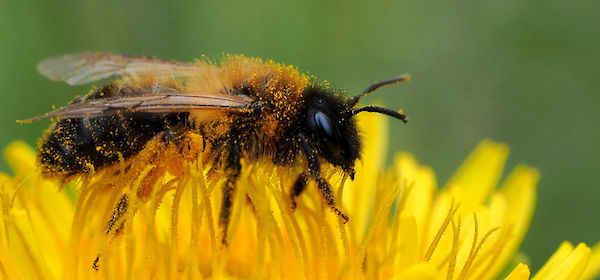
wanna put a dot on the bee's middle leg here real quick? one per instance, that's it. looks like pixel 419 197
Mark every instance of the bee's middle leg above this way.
pixel 232 171
pixel 298 188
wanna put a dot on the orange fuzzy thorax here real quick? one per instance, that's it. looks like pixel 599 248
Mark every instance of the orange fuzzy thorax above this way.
pixel 281 85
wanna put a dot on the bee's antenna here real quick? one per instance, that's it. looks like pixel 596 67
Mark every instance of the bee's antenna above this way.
pixel 373 87
pixel 381 110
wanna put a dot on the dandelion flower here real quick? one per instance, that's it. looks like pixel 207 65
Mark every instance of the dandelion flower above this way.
pixel 158 219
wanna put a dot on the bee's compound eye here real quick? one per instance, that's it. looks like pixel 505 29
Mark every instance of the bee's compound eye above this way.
pixel 325 124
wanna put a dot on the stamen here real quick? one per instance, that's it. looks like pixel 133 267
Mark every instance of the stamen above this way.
pixel 342 228
pixel 196 209
pixel 401 201
pixel 440 232
pixel 381 213
pixel 454 252
pixel 205 191
pixel 491 255
pixel 174 225
pixel 475 248
pixel 290 224
pixel 473 245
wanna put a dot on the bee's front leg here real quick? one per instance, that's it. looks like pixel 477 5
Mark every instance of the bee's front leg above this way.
pixel 314 169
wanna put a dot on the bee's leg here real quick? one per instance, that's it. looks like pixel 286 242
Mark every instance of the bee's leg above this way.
pixel 217 162
pixel 298 188
pixel 117 219
pixel 175 135
pixel 315 172
pixel 232 171
pixel 172 135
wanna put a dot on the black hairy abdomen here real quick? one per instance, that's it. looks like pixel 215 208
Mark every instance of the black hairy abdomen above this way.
pixel 73 146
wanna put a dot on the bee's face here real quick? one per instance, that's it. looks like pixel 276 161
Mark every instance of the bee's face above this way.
pixel 331 129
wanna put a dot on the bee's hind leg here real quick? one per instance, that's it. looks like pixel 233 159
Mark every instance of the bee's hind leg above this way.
pixel 173 135
pixel 232 172
pixel 315 172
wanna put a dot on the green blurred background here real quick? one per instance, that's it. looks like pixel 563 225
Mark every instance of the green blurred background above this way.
pixel 520 72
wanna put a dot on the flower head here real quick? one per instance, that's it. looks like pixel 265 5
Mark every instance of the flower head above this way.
pixel 158 219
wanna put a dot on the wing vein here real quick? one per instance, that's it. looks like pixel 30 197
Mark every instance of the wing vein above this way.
pixel 164 102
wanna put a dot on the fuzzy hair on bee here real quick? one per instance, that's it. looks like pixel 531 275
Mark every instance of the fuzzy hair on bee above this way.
pixel 242 108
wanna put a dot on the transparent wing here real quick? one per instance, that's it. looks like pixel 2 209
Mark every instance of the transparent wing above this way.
pixel 167 102
pixel 83 68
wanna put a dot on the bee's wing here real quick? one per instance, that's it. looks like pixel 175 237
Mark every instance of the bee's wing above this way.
pixel 83 68
pixel 167 102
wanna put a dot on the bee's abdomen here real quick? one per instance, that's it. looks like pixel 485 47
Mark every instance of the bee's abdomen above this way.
pixel 74 146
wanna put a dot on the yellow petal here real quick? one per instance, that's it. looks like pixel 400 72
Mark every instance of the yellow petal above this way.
pixel 421 187
pixel 359 193
pixel 479 173
pixel 521 272
pixel 408 240
pixel 519 190
pixel 399 228
pixel 592 271
pixel 559 255
pixel 566 263
pixel 422 271
pixel 20 158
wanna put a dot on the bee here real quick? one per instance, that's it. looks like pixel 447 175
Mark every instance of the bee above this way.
pixel 241 107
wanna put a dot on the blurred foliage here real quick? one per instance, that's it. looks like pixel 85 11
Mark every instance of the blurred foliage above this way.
pixel 520 72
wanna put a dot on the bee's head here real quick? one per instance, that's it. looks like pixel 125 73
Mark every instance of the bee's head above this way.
pixel 330 126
